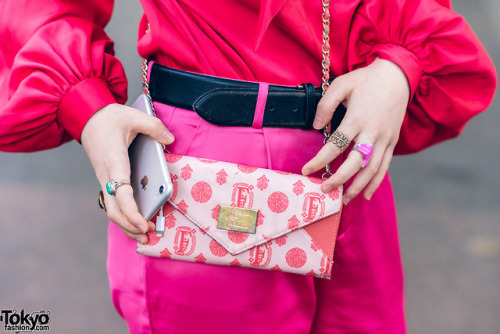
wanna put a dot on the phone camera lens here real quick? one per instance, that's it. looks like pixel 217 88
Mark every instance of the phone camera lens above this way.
pixel 162 188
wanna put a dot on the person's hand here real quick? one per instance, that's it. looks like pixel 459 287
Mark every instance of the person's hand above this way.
pixel 106 138
pixel 376 98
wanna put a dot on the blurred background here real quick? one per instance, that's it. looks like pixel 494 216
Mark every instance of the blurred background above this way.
pixel 53 234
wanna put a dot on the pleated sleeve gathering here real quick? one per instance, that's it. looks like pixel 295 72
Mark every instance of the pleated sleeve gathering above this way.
pixel 451 76
pixel 56 69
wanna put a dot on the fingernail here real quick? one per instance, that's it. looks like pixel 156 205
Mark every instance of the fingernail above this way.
pixel 167 136
pixel 317 122
pixel 328 188
pixel 346 200
pixel 306 171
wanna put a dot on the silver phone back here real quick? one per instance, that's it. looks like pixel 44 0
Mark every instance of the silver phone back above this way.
pixel 150 178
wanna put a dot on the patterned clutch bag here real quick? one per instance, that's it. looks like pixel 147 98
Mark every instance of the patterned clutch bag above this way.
pixel 228 214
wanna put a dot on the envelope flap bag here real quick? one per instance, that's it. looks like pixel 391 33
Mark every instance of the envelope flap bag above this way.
pixel 224 213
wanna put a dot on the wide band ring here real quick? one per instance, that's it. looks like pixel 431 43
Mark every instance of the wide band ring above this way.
pixel 366 151
pixel 112 185
pixel 340 139
pixel 102 205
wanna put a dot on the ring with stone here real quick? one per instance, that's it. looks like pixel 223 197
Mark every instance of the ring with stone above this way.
pixel 339 139
pixel 102 205
pixel 366 151
pixel 112 185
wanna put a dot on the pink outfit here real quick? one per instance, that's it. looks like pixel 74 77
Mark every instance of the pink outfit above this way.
pixel 363 296
pixel 57 68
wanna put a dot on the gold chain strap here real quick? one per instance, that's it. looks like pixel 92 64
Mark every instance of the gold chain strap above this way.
pixel 145 88
pixel 325 64
pixel 145 85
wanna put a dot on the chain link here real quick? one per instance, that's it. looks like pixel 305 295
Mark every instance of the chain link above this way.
pixel 325 48
pixel 145 88
pixel 325 65
pixel 145 85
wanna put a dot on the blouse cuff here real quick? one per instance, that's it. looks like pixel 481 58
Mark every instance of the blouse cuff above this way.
pixel 404 58
pixel 81 102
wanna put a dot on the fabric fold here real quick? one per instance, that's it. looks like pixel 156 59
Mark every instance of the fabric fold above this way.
pixel 268 11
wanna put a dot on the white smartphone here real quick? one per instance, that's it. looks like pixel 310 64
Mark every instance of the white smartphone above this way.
pixel 150 178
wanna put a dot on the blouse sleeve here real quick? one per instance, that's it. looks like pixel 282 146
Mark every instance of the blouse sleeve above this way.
pixel 450 74
pixel 56 69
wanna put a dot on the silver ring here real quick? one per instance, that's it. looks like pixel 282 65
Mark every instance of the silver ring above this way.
pixel 112 185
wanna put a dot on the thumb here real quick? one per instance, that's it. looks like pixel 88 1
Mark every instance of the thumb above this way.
pixel 153 127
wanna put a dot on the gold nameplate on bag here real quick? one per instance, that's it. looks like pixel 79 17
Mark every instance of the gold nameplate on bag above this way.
pixel 237 219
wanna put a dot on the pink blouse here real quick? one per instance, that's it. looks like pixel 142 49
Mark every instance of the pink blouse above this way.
pixel 57 65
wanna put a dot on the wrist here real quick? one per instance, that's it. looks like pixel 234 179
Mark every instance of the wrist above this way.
pixel 392 71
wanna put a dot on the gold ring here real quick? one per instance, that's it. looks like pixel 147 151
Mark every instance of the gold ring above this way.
pixel 102 205
pixel 340 139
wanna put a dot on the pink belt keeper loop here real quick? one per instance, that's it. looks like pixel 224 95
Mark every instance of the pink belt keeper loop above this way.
pixel 260 107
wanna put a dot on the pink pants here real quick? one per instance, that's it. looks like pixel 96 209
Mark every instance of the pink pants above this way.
pixel 365 294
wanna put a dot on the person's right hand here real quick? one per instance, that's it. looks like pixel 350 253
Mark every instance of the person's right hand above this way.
pixel 106 138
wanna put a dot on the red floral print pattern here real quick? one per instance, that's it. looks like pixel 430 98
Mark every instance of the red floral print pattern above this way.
pixel 296 257
pixel 201 192
pixel 170 221
pixel 312 273
pixel 152 238
pixel 183 207
pixel 200 258
pixel 277 202
pixel 281 241
pixel 221 177
pixel 334 194
pixel 298 188
pixel 175 185
pixel 186 172
pixel 237 237
pixel 207 161
pixel 235 263
pixel 215 213
pixel 260 218
pixel 247 169
pixel 172 158
pixel 217 249
pixel 262 182
pixel 165 253
pixel 293 223
pixel 315 180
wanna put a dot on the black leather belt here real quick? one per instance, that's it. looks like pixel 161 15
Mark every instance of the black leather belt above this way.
pixel 228 102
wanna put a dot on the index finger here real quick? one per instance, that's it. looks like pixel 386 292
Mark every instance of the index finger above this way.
pixel 330 151
pixel 327 154
pixel 336 94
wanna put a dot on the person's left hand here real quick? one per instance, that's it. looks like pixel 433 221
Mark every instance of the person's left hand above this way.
pixel 376 98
